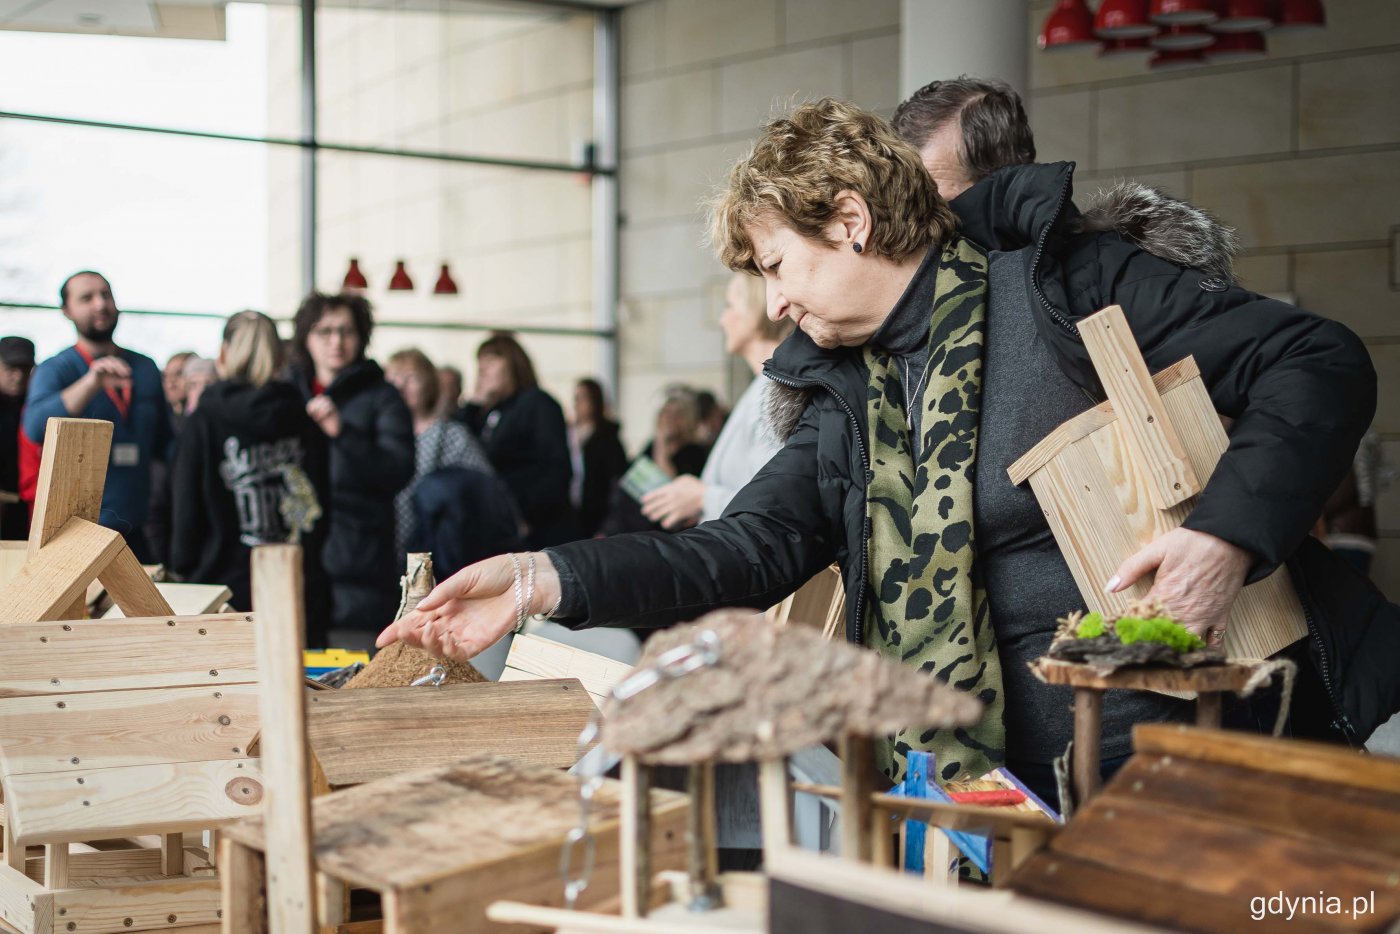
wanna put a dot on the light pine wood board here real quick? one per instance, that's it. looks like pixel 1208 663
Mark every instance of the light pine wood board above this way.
pixel 112 729
pixel 1095 498
pixel 131 588
pixel 57 576
pixel 101 655
pixel 98 866
pixel 532 658
pixel 147 905
pixel 184 599
pixel 121 802
pixel 72 475
pixel 12 558
pixel 24 903
pixel 359 736
pixel 278 594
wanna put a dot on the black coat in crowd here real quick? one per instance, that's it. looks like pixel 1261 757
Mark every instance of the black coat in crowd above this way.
pixel 604 462
pixel 246 459
pixel 528 443
pixel 371 461
pixel 1300 388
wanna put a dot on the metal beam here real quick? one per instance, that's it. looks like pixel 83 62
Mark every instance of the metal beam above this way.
pixel 309 178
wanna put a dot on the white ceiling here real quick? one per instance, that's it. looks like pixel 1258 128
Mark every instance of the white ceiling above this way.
pixel 204 19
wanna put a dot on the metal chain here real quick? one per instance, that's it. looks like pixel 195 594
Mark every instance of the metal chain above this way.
pixel 703 652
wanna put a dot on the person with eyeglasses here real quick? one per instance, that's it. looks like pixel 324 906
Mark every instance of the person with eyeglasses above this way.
pixel 372 454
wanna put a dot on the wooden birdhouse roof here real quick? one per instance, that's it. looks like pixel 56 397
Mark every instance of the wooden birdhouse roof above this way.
pixel 773 691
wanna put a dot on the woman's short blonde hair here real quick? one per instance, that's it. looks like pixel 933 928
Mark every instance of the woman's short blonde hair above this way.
pixel 756 304
pixel 252 348
pixel 804 160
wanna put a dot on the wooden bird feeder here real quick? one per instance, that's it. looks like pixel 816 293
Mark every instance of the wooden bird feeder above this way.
pixel 1118 476
pixel 121 733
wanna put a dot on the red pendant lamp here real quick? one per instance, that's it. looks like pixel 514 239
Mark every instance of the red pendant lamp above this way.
pixel 1182 39
pixel 1300 16
pixel 1125 48
pixel 1238 47
pixel 354 279
pixel 400 282
pixel 445 284
pixel 1247 16
pixel 1068 28
pixel 1183 12
pixel 1176 60
pixel 1123 19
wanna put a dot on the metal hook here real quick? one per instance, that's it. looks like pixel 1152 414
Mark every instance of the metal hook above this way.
pixel 435 676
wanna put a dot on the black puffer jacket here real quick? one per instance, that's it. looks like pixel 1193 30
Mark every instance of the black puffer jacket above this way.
pixel 1300 388
pixel 371 461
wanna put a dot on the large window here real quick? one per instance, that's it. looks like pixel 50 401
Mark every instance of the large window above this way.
pixel 457 133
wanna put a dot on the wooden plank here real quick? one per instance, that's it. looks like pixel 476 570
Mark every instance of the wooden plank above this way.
pixel 1307 809
pixel 131 588
pixel 110 909
pixel 968 818
pixel 1085 424
pixel 56 866
pixel 857 785
pixel 109 655
pixel 775 803
pixel 53 579
pixel 184 599
pixel 533 658
pixel 411 728
pixel 242 897
pixel 114 729
pixel 15 854
pixel 102 864
pixel 107 803
pixel 24 903
pixel 1321 762
pixel 1088 737
pixel 1231 677
pixel 12 558
pixel 72 475
pixel 635 838
pixel 1151 436
pixel 278 596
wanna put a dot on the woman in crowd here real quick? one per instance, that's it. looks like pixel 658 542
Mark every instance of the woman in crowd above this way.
pixel 674 449
pixel 746 442
pixel 595 447
pixel 371 441
pixel 523 430
pixel 931 351
pixel 250 468
pixel 439 442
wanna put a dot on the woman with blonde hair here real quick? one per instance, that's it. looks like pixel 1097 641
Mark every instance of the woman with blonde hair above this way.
pixel 251 468
pixel 933 349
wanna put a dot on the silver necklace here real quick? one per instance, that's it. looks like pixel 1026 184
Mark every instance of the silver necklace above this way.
pixel 909 398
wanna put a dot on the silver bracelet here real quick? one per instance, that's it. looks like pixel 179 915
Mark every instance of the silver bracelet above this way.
pixel 519 595
pixel 529 595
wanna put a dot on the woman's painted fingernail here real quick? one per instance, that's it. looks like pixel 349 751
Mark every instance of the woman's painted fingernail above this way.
pixel 1112 585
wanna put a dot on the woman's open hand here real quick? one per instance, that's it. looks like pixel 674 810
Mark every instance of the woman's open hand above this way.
pixel 471 610
pixel 1198 578
pixel 678 503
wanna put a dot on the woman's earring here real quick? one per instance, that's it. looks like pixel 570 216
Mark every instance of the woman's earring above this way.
pixel 857 247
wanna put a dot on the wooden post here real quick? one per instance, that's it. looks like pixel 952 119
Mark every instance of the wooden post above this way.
pixel 172 854
pixel 1088 731
pixel 775 804
pixel 241 884
pixel 14 853
pixel 939 856
pixel 704 854
pixel 55 865
pixel 881 838
pixel 278 602
pixel 332 901
pixel 72 476
pixel 857 785
pixel 1208 708
pixel 131 588
pixel 634 838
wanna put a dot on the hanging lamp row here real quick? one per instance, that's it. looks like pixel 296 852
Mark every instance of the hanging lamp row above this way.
pixel 400 281
pixel 1181 33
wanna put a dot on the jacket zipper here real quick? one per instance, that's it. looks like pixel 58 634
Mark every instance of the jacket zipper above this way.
pixel 1342 723
pixel 1054 312
pixel 865 462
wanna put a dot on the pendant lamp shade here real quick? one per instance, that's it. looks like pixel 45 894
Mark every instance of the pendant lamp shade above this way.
pixel 354 279
pixel 1125 48
pixel 1123 19
pixel 1300 15
pixel 400 282
pixel 1238 47
pixel 1184 12
pixel 1175 60
pixel 445 284
pixel 1068 28
pixel 1182 39
pixel 1247 16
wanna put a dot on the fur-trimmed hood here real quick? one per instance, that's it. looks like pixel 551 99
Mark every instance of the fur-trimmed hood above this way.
pixel 1019 206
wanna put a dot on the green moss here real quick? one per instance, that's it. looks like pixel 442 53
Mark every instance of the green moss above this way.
pixel 1091 626
pixel 1157 629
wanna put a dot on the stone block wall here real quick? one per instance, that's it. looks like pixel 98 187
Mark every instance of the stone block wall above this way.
pixel 1300 152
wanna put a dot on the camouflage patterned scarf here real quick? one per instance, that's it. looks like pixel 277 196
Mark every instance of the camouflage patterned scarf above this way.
pixel 930 608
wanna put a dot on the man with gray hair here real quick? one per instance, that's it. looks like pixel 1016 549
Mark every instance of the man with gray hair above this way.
pixel 965 129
